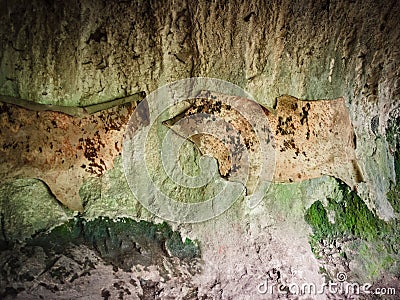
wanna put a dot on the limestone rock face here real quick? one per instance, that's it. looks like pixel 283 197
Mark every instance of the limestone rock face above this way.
pixel 86 52
pixel 83 53
pixel 310 138
pixel 61 150
pixel 26 207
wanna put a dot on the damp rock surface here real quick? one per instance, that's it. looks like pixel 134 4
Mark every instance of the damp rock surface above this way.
pixel 28 207
pixel 101 259
pixel 81 53
pixel 89 52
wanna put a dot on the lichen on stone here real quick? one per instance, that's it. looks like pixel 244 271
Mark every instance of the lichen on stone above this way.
pixel 123 242
pixel 28 207
pixel 358 233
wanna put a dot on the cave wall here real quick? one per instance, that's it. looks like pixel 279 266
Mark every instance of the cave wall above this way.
pixel 80 53
pixel 87 52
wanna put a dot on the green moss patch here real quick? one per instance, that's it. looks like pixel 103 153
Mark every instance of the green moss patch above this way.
pixel 122 242
pixel 351 217
pixel 371 242
pixel 377 249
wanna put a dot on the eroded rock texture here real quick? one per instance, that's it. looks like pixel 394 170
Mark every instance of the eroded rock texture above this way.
pixel 59 149
pixel 310 138
pixel 102 259
pixel 85 52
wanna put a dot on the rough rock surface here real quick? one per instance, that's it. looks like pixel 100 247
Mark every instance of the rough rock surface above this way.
pixel 310 138
pixel 59 149
pixel 84 52
pixel 27 207
pixel 101 259
pixel 100 51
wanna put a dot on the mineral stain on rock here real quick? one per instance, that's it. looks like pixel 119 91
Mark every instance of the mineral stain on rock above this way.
pixel 59 148
pixel 314 138
pixel 311 138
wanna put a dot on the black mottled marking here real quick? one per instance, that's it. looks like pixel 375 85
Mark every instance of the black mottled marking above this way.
pixel 200 108
pixel 290 144
pixel 105 294
pixel 6 146
pixel 116 285
pixel 132 282
pixel 304 115
pixel 75 276
pixel 98 36
pixel 304 118
pixel 285 126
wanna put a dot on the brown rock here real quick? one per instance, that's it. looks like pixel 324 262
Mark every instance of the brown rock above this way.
pixel 60 149
pixel 311 138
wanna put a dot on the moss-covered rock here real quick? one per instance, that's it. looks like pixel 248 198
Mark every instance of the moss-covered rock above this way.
pixel 110 196
pixel 370 242
pixel 122 242
pixel 27 207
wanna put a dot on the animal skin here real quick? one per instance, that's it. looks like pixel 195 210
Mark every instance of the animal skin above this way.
pixel 310 138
